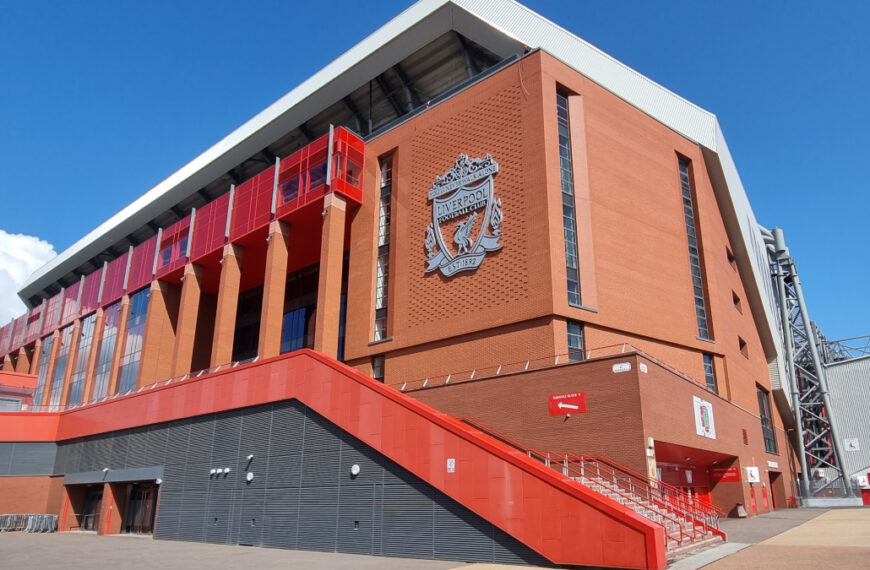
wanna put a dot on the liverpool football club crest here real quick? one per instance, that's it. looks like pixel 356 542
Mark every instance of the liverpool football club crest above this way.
pixel 466 216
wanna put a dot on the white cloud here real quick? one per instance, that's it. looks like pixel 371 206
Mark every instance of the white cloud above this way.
pixel 20 255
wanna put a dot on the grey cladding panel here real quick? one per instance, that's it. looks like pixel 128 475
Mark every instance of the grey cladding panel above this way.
pixel 27 458
pixel 302 495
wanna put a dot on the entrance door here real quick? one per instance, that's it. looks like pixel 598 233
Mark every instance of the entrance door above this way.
pixel 91 511
pixel 141 507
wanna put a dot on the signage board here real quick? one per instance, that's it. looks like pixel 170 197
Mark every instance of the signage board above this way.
pixel 564 404
pixel 852 444
pixel 704 424
pixel 725 475
pixel 753 475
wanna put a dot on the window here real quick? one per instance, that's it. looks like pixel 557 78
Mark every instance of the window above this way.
pixel 732 261
pixel 60 366
pixel 133 343
pixel 378 367
pixel 47 343
pixel 737 303
pixel 382 276
pixel 106 350
pixel 741 344
pixel 569 217
pixel 694 250
pixel 77 379
pixel 10 404
pixel 766 421
pixel 575 340
pixel 710 374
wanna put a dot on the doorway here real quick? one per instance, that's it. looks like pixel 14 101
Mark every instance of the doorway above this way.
pixel 141 508
pixel 90 517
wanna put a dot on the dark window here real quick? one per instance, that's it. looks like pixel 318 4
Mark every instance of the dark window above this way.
pixel 382 276
pixel 378 367
pixel 86 337
pixel 710 374
pixel 737 303
pixel 766 421
pixel 112 316
pixel 41 380
pixel 247 334
pixel 569 217
pixel 694 250
pixel 133 343
pixel 732 261
pixel 741 344
pixel 575 340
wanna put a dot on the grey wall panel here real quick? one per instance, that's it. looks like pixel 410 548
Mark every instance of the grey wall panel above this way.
pixel 302 494
pixel 849 391
pixel 27 458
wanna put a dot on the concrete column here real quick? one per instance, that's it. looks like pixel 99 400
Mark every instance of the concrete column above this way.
pixel 115 372
pixel 227 305
pixel 329 280
pixel 23 364
pixel 188 312
pixel 93 354
pixel 49 373
pixel 71 361
pixel 158 346
pixel 272 315
pixel 37 356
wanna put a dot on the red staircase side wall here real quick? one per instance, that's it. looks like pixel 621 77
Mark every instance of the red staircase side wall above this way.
pixel 566 523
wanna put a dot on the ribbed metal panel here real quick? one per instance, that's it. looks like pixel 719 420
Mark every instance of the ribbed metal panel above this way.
pixel 30 458
pixel 849 393
pixel 302 494
pixel 6 457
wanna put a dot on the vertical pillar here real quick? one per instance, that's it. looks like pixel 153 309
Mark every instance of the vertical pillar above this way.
pixel 37 355
pixel 71 361
pixel 93 354
pixel 8 365
pixel 112 508
pixel 227 305
pixel 272 315
pixel 120 341
pixel 188 312
pixel 329 280
pixel 49 372
pixel 23 364
pixel 158 346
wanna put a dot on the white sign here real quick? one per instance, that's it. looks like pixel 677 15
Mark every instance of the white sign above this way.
pixel 621 367
pixel 851 444
pixel 753 475
pixel 773 464
pixel 451 465
pixel 643 367
pixel 704 424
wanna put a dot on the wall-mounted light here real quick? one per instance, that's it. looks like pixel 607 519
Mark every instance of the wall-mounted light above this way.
pixel 158 481
pixel 105 469
pixel 250 457
pixel 354 470
pixel 249 477
pixel 213 471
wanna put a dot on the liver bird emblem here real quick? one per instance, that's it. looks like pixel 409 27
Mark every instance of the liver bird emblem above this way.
pixel 462 236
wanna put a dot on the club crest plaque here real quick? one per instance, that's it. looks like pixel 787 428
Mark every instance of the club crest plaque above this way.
pixel 466 216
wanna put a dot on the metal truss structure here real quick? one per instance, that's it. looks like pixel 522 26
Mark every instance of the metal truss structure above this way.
pixel 843 349
pixel 820 453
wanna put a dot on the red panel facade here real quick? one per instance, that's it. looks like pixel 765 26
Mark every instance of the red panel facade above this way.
pixel 113 287
pixel 302 177
pixel 347 160
pixel 252 204
pixel 91 292
pixel 32 329
pixel 209 228
pixel 173 247
pixel 49 321
pixel 4 339
pixel 142 264
pixel 69 309
pixel 18 327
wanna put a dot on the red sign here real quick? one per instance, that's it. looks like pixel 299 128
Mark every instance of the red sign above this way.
pixel 723 475
pixel 571 403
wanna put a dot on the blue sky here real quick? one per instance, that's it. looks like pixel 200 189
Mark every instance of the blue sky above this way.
pixel 100 101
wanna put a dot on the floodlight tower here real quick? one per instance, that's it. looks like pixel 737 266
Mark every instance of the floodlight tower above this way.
pixel 820 453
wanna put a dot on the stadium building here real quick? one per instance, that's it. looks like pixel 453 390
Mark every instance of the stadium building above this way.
pixel 475 291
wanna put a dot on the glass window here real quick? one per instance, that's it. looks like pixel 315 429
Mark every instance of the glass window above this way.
pixel 694 250
pixel 60 366
pixel 767 430
pixel 382 275
pixel 77 379
pixel 378 367
pixel 133 341
pixel 47 344
pixel 569 217
pixel 710 373
pixel 575 340
pixel 106 350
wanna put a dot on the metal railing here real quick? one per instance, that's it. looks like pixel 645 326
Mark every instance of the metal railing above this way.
pixel 28 523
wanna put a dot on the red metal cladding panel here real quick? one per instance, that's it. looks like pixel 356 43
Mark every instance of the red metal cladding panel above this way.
pixel 209 228
pixel 91 292
pixel 348 158
pixel 252 204
pixel 173 247
pixel 302 177
pixel 4 339
pixel 18 327
pixel 142 265
pixel 113 288
pixel 32 330
pixel 49 321
pixel 70 302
